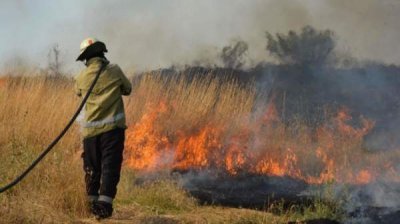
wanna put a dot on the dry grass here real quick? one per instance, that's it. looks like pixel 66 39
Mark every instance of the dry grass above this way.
pixel 34 109
pixel 195 103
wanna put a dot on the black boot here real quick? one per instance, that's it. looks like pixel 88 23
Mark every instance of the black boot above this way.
pixel 91 200
pixel 102 209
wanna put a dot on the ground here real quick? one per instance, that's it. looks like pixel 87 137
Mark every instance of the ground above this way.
pixel 133 214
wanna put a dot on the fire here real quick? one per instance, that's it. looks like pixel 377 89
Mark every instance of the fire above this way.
pixel 273 167
pixel 364 176
pixel 196 151
pixel 149 145
pixel 332 153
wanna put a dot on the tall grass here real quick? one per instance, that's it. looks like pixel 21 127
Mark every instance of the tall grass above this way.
pixel 194 102
pixel 34 109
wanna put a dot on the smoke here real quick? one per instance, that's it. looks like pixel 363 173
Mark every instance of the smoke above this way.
pixel 180 32
pixel 151 34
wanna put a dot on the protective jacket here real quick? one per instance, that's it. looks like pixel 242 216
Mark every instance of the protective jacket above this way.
pixel 104 109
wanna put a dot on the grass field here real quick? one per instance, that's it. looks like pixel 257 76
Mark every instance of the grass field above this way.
pixel 34 109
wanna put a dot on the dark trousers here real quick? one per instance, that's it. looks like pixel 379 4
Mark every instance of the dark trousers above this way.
pixel 102 159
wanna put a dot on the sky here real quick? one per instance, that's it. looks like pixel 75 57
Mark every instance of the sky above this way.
pixel 149 34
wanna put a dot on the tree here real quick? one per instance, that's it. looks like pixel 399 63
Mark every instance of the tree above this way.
pixel 233 56
pixel 309 47
pixel 54 61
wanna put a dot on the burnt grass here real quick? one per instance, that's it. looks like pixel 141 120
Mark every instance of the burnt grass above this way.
pixel 244 190
pixel 211 187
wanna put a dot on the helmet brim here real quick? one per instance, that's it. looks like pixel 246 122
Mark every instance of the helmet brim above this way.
pixel 81 56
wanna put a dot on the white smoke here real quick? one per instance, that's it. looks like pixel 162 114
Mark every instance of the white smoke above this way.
pixel 151 34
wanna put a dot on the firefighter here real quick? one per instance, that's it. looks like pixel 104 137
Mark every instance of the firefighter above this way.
pixel 103 121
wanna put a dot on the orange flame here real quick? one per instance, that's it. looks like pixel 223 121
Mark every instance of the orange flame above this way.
pixel 332 153
pixel 148 144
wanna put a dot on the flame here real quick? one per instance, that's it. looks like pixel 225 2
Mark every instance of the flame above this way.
pixel 332 153
pixel 149 145
pixel 364 177
pixel 195 150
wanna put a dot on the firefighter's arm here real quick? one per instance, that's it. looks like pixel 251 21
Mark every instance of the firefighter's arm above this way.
pixel 126 87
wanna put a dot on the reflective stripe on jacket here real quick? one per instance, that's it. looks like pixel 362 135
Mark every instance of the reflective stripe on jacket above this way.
pixel 104 109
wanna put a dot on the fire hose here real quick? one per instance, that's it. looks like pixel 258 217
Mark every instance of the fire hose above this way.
pixel 57 139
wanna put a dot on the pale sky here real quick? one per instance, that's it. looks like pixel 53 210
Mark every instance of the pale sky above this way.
pixel 147 34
